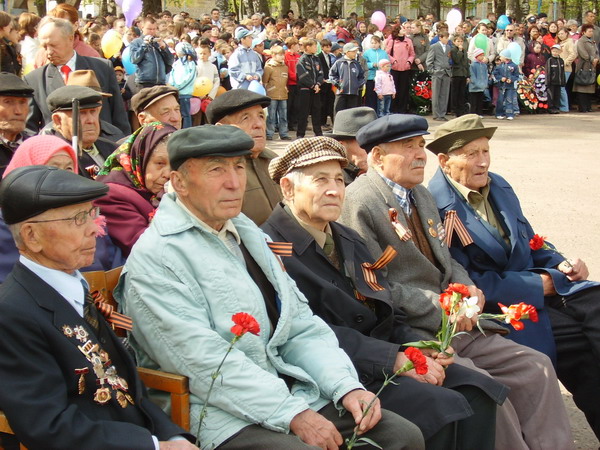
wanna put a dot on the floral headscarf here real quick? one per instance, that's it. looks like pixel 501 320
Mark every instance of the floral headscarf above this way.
pixel 127 164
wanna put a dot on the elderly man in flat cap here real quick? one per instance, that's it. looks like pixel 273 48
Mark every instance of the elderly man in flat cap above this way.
pixel 157 104
pixel 93 150
pixel 14 106
pixel 327 266
pixel 67 381
pixel 56 37
pixel 389 206
pixel 245 110
pixel 346 125
pixel 501 262
pixel 280 388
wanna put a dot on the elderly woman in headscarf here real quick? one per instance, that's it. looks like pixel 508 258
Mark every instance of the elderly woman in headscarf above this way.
pixel 52 151
pixel 136 173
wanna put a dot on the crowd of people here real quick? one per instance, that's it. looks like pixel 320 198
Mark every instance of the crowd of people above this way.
pixel 156 159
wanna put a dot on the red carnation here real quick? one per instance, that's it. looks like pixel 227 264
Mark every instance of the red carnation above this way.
pixel 244 323
pixel 459 289
pixel 536 242
pixel 446 302
pixel 418 360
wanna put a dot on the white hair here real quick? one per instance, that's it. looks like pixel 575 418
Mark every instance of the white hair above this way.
pixel 63 25
pixel 15 231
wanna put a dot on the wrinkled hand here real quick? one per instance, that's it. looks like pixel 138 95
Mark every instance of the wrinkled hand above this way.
pixel 462 321
pixel 575 270
pixel 547 284
pixel 444 359
pixel 435 372
pixel 180 444
pixel 314 429
pixel 356 402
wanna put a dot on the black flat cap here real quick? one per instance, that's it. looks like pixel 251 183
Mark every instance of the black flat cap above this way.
pixel 62 98
pixel 12 86
pixel 392 128
pixel 233 101
pixel 29 191
pixel 207 140
pixel 151 95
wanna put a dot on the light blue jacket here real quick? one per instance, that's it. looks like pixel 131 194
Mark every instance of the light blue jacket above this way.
pixel 374 56
pixel 242 62
pixel 183 76
pixel 181 285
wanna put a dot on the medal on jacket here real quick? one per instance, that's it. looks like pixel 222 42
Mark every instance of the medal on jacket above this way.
pixel 403 233
pixel 431 230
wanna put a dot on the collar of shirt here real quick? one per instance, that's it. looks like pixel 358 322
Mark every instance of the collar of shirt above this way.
pixel 404 196
pixel 318 235
pixel 71 63
pixel 69 286
pixel 228 227
pixel 12 144
pixel 471 196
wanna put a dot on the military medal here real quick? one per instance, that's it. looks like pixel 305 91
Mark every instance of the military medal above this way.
pixel 102 395
pixel 431 230
pixel 81 382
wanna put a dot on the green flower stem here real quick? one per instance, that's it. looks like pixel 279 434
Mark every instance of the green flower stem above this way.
pixel 214 377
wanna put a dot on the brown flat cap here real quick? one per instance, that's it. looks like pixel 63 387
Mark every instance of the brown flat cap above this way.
pixel 307 152
pixel 151 95
pixel 86 78
pixel 458 132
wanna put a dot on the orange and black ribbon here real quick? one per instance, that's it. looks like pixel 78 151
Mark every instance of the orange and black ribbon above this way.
pixel 116 319
pixel 402 232
pixel 281 248
pixel 453 223
pixel 369 269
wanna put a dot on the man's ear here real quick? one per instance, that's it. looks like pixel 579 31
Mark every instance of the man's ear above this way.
pixel 377 156
pixel 178 183
pixel 287 189
pixel 30 238
pixel 56 120
pixel 443 160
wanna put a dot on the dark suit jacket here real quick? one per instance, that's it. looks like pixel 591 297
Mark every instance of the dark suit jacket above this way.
pixel 46 79
pixel 372 338
pixel 506 277
pixel 39 392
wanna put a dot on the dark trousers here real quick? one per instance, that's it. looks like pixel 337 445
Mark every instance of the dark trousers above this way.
pixel 292 113
pixel 576 327
pixel 392 432
pixel 585 101
pixel 371 95
pixel 308 101
pixel 345 101
pixel 554 97
pixel 476 100
pixel 402 82
pixel 458 86
pixel 327 99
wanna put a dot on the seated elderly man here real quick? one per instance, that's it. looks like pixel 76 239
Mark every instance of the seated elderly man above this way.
pixel 157 104
pixel 424 268
pixel 199 263
pixel 502 263
pixel 14 107
pixel 245 109
pixel 93 149
pixel 67 381
pixel 346 125
pixel 326 265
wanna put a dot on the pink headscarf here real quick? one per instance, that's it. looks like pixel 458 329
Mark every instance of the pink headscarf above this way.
pixel 37 150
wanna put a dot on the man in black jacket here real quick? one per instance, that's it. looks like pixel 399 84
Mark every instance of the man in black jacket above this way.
pixel 310 77
pixel 67 381
pixel 328 265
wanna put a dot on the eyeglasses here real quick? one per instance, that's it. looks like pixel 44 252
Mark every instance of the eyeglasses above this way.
pixel 80 218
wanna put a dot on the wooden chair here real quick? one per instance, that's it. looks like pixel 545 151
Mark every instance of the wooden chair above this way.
pixel 176 385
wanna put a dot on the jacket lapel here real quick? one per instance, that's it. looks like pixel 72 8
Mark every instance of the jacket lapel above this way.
pixel 54 79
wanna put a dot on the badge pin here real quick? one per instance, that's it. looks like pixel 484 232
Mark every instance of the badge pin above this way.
pixel 67 330
pixel 81 382
pixel 432 232
pixel 102 395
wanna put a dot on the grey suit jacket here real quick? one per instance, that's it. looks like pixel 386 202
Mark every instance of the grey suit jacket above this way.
pixel 47 79
pixel 414 281
pixel 438 61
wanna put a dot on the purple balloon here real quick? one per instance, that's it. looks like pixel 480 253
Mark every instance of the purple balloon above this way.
pixel 119 3
pixel 131 10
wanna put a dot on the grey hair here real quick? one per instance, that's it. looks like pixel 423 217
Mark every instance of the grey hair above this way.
pixel 296 176
pixel 63 25
pixel 15 231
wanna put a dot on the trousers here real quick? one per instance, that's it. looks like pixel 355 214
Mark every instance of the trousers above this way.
pixel 440 90
pixel 308 102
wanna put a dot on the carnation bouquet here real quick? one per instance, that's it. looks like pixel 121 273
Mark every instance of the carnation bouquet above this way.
pixel 420 93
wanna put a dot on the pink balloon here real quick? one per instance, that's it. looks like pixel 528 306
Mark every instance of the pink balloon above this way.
pixel 131 10
pixel 379 20
pixel 195 104
pixel 119 3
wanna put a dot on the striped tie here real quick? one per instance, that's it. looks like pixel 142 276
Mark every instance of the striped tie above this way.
pixel 90 313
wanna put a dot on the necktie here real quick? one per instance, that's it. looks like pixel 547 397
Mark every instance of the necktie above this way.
pixel 66 70
pixel 90 313
pixel 329 250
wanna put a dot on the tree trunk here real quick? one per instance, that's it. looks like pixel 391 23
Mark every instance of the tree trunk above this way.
pixel 286 5
pixel 513 8
pixel 40 6
pixel 262 6
pixel 430 7
pixel 151 7
pixel 370 6
pixel 223 5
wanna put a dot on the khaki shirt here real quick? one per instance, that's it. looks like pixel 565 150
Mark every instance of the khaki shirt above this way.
pixel 262 193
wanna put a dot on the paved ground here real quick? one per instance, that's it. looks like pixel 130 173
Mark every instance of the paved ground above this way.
pixel 553 163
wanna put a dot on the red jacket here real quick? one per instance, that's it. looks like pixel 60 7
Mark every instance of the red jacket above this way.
pixel 344 34
pixel 291 59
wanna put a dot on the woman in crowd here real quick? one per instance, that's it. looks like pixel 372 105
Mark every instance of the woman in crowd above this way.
pixel 550 37
pixel 568 53
pixel 136 173
pixel 10 59
pixel 51 151
pixel 402 55
pixel 587 57
pixel 421 44
pixel 30 45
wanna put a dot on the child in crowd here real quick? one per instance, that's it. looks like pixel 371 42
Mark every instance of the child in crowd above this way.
pixel 348 76
pixel 374 55
pixel 505 76
pixel 327 97
pixel 384 87
pixel 534 59
pixel 310 79
pixel 555 78
pixel 460 76
pixel 275 81
pixel 438 64
pixel 336 50
pixel 182 77
pixel 478 81
pixel 122 82
pixel 208 70
pixel 291 59
pixel 223 52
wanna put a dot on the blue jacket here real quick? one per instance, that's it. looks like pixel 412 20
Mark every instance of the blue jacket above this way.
pixel 151 60
pixel 479 79
pixel 506 277
pixel 181 285
pixel 508 70
pixel 243 62
pixel 374 56
pixel 348 76
pixel 183 76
